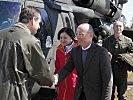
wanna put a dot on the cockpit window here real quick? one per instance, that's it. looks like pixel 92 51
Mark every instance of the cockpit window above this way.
pixel 9 13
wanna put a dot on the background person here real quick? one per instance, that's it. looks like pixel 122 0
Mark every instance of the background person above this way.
pixel 67 42
pixel 118 44
pixel 92 63
pixel 21 57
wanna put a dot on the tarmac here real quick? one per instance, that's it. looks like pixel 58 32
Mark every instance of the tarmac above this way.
pixel 129 92
pixel 130 86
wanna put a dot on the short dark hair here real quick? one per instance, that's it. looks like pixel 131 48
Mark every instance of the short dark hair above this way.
pixel 68 31
pixel 28 13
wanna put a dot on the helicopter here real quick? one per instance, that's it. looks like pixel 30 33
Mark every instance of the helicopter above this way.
pixel 57 14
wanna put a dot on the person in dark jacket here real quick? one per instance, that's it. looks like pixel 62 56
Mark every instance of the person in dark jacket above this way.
pixel 118 44
pixel 92 63
pixel 21 57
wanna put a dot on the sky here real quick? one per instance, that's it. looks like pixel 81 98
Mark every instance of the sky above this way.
pixel 128 11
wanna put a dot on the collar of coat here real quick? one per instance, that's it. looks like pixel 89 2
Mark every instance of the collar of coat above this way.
pixel 23 26
pixel 61 48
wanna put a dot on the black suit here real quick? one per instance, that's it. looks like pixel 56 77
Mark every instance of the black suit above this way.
pixel 95 78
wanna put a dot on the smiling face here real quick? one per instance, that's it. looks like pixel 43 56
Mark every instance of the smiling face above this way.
pixel 118 28
pixel 65 39
pixel 84 35
pixel 81 36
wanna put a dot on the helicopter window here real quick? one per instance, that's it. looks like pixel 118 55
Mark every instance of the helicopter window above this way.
pixel 68 22
pixel 9 12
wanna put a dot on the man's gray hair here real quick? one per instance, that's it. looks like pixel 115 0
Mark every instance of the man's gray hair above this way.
pixel 117 22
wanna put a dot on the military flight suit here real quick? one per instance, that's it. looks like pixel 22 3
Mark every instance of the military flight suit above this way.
pixel 21 58
pixel 118 46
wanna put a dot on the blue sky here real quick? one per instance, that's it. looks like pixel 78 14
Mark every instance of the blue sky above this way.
pixel 128 11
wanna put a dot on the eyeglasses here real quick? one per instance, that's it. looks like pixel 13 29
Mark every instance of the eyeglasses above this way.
pixel 81 34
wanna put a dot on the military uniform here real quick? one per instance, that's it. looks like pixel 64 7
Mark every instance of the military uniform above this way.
pixel 118 46
pixel 128 58
pixel 21 58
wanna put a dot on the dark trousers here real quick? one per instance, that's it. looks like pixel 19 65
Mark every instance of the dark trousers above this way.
pixel 119 81
pixel 45 94
pixel 82 96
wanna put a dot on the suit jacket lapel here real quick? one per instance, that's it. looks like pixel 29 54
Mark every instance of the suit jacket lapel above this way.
pixel 90 55
pixel 79 59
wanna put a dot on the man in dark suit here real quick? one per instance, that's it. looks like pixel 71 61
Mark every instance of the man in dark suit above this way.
pixel 94 81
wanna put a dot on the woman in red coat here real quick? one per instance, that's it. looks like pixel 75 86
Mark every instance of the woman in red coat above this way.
pixel 67 42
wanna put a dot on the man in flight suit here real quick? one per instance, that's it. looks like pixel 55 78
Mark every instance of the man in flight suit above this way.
pixel 118 44
pixel 21 57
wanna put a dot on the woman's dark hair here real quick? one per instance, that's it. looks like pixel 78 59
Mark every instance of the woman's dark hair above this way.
pixel 28 13
pixel 68 31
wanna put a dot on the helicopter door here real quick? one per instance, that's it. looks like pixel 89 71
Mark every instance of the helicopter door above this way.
pixel 58 19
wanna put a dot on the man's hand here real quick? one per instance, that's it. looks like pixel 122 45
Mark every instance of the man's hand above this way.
pixel 53 86
pixel 110 55
pixel 56 79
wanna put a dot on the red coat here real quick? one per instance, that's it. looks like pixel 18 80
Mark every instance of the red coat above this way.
pixel 66 87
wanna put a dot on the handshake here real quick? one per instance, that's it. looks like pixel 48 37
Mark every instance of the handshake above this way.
pixel 45 92
pixel 55 81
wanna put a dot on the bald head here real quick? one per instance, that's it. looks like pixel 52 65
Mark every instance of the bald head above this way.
pixel 85 27
pixel 84 34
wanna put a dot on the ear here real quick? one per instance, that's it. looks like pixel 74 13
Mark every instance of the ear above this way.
pixel 91 34
pixel 33 21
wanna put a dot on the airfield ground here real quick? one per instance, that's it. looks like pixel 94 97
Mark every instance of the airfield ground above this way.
pixel 129 92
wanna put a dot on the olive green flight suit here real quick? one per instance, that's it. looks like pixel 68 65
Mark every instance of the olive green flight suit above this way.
pixel 21 58
pixel 115 47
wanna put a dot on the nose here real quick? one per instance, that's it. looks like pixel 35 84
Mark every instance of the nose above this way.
pixel 61 39
pixel 39 26
pixel 78 36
